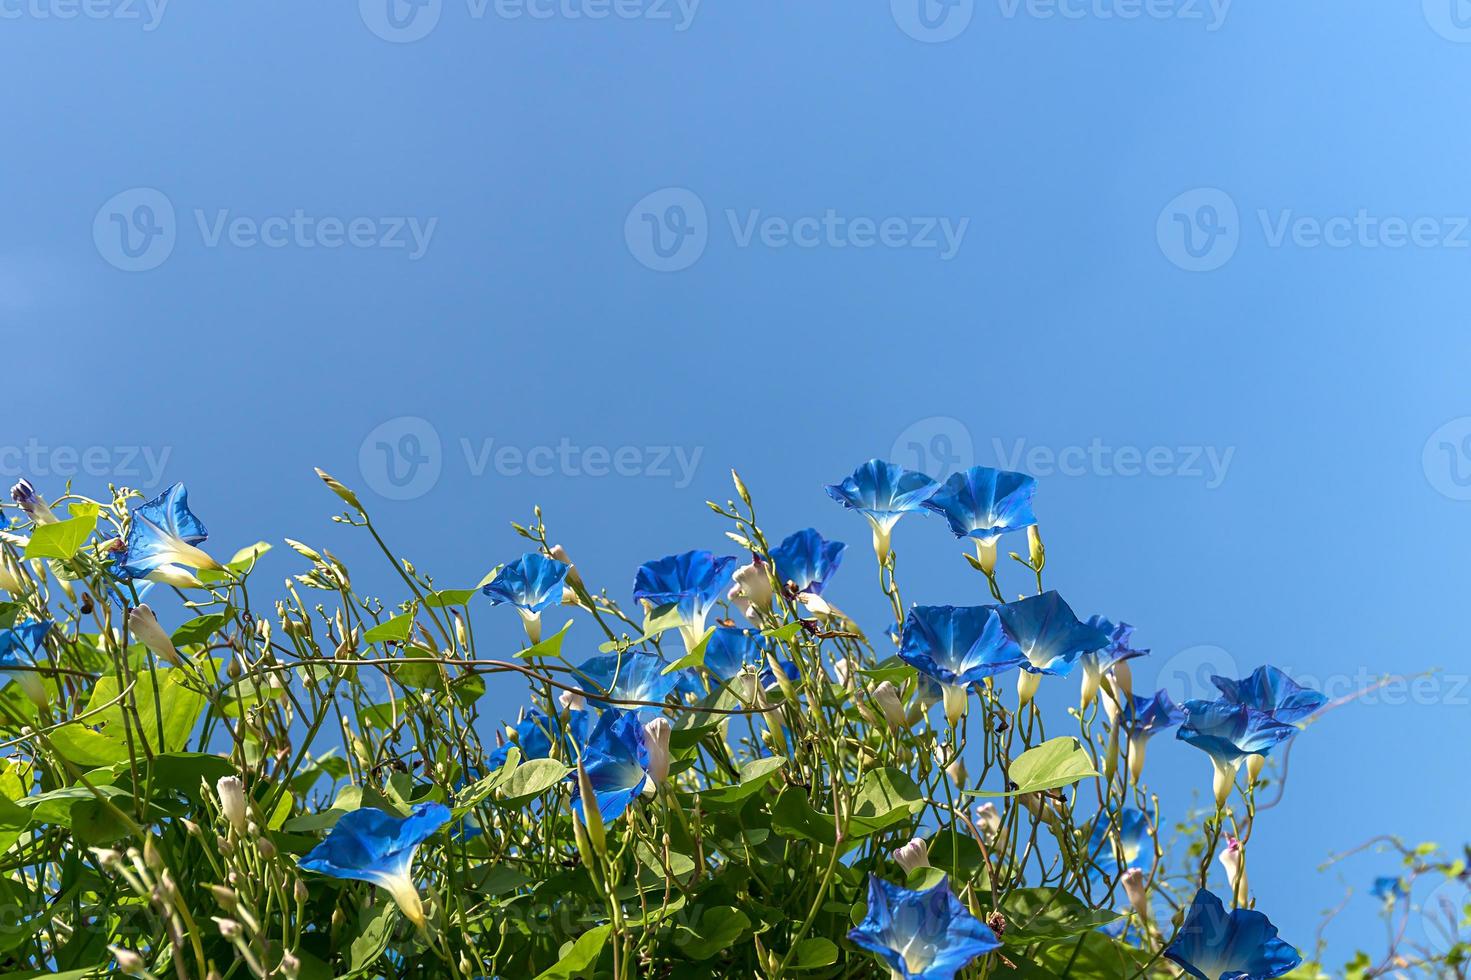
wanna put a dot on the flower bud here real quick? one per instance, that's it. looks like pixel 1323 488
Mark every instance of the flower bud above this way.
pixel 986 556
pixel 226 898
pixel 290 966
pixel 229 928
pixel 886 696
pixel 842 670
pixel 32 503
pixel 1233 859
pixel 1026 687
pixel 1035 549
pixel 144 625
pixel 913 856
pixel 988 820
pixel 1132 881
pixel 231 792
pixel 127 960
pixel 266 849
pixel 656 738
pixel 300 892
pixel 592 817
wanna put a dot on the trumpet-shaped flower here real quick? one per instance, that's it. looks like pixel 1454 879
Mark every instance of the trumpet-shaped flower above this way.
pixel 921 935
pixel 1099 662
pixel 692 581
pixel 616 759
pixel 1229 733
pixel 1050 636
pixel 370 845
pixel 21 646
pixel 957 647
pixel 883 492
pixel 1141 718
pixel 631 676
pixel 1273 693
pixel 731 650
pixel 163 534
pixel 1112 837
pixel 1242 944
pixel 982 503
pixel 531 583
pixel 807 560
pixel 1388 889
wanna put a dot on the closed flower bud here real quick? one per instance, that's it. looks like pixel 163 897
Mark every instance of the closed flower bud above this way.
pixel 144 625
pixel 1035 550
pixel 226 898
pixel 656 738
pixel 127 960
pixel 109 859
pixel 592 816
pixel 913 856
pixel 151 857
pixel 231 792
pixel 290 966
pixel 886 696
pixel 266 848
pixel 32 503
pixel 1233 859
pixel 573 578
pixel 229 928
pixel 1132 881
pixel 299 891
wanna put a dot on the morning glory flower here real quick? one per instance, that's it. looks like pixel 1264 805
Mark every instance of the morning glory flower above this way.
pixel 1389 890
pixel 921 935
pixel 1128 831
pixel 1242 944
pixel 1099 662
pixel 531 583
pixel 22 646
pixel 883 492
pixel 1141 718
pixel 731 650
pixel 616 759
pixel 1273 693
pixel 1049 635
pixel 162 535
pixel 957 647
pixel 370 845
pixel 535 733
pixel 632 676
pixel 1229 733
pixel 807 560
pixel 693 581
pixel 32 503
pixel 982 504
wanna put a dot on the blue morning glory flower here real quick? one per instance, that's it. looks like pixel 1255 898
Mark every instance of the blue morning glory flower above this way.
pixel 1242 944
pixel 1141 718
pixel 163 534
pixel 808 560
pixel 1229 733
pixel 883 492
pixel 921 935
pixel 22 645
pixel 373 846
pixel 957 647
pixel 1099 662
pixel 535 733
pixel 531 583
pixel 982 503
pixel 632 676
pixel 616 759
pixel 1129 831
pixel 1388 889
pixel 1273 693
pixel 731 650
pixel 693 581
pixel 1049 635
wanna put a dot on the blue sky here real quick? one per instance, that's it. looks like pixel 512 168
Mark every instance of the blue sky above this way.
pixel 1200 268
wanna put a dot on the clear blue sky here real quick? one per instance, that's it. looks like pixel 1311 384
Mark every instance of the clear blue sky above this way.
pixel 1202 269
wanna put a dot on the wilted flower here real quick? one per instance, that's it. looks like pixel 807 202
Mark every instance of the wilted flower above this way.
pixel 144 625
pixel 1242 944
pixel 656 739
pixel 691 581
pixel 988 820
pixel 886 696
pixel 32 503
pixel 913 856
pixel 1100 662
pixel 957 647
pixel 571 701
pixel 162 535
pixel 751 591
pixel 370 845
pixel 1141 719
pixel 616 760
pixel 883 492
pixel 921 935
pixel 1132 881
pixel 1229 733
pixel 1050 636
pixel 1233 859
pixel 531 583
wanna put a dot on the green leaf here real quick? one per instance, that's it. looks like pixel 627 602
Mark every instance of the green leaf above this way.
pixel 814 953
pixel 579 956
pixel 719 926
pixel 754 775
pixel 532 779
pixel 62 539
pixel 550 646
pixel 783 633
pixel 885 797
pixel 395 630
pixel 201 629
pixel 1055 763
pixel 448 597
pixel 695 658
pixel 1047 914
pixel 793 815
pixel 152 690
pixel 376 926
